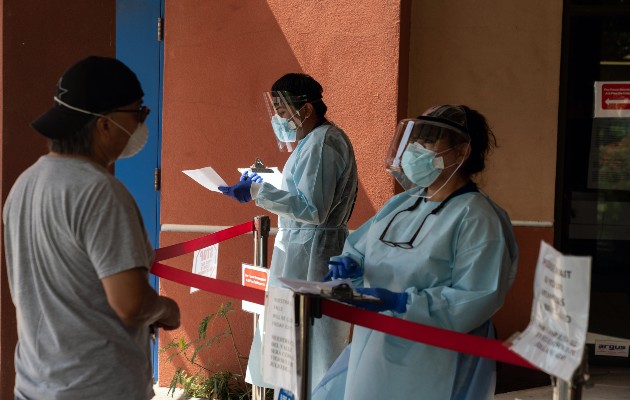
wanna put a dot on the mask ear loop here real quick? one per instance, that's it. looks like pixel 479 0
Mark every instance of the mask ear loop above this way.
pixel 447 181
pixel 91 113
pixel 300 128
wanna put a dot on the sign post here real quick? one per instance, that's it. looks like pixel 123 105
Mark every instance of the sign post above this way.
pixel 262 226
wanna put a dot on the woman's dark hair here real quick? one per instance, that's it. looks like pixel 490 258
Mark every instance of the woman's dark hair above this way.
pixel 482 141
pixel 299 84
pixel 79 144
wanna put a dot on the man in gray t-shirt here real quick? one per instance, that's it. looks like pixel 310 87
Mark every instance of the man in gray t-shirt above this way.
pixel 77 252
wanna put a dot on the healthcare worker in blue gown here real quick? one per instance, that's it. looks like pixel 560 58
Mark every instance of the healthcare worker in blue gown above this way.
pixel 441 254
pixel 314 203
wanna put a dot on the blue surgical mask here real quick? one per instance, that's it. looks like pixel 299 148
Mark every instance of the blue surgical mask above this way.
pixel 284 129
pixel 421 165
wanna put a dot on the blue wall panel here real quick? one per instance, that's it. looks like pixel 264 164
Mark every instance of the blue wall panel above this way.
pixel 138 47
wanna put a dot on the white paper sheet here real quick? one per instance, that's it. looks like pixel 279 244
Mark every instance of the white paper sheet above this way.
pixel 206 177
pixel 279 366
pixel 205 263
pixel 554 340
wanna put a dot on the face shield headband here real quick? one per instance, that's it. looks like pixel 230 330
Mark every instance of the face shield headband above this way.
pixel 408 159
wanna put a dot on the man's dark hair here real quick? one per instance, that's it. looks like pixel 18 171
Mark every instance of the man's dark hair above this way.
pixel 299 84
pixel 79 144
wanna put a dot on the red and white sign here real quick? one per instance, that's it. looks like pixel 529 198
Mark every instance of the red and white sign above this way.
pixel 612 100
pixel 257 278
pixel 205 263
pixel 616 96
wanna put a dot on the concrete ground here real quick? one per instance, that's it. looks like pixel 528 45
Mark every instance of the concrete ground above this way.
pixel 608 383
pixel 162 394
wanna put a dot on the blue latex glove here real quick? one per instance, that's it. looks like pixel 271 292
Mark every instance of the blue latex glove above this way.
pixel 240 191
pixel 342 268
pixel 394 301
pixel 254 177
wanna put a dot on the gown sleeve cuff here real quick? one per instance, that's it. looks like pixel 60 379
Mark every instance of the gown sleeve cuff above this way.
pixel 254 189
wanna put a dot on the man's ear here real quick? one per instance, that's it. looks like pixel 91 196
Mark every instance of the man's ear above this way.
pixel 103 125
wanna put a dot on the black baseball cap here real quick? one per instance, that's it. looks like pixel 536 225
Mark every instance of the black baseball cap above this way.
pixel 94 84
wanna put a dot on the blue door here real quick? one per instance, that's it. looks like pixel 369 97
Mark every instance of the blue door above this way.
pixel 138 46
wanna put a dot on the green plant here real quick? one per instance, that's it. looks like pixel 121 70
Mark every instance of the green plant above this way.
pixel 204 382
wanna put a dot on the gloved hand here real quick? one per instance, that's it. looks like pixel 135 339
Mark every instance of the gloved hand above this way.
pixel 240 191
pixel 342 268
pixel 254 177
pixel 394 301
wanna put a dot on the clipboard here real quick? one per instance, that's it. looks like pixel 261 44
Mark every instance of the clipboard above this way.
pixel 344 292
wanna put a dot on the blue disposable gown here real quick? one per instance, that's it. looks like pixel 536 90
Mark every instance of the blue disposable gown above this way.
pixel 319 185
pixel 457 275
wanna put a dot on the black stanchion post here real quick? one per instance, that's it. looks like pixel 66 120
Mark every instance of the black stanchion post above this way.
pixel 303 302
pixel 261 236
pixel 308 307
pixel 563 390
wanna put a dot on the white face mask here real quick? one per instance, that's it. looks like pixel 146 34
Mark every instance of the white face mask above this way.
pixel 136 142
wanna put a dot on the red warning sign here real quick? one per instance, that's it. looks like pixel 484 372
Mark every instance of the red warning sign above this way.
pixel 615 96
pixel 255 277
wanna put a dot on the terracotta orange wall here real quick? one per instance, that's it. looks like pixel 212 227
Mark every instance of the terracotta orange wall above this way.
pixel 39 41
pixel 219 58
pixel 503 59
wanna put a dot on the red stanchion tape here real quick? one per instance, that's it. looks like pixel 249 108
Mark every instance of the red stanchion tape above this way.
pixel 178 249
pixel 208 284
pixel 450 340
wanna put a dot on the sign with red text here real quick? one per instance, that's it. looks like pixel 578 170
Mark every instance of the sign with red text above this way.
pixel 555 337
pixel 257 278
pixel 205 263
pixel 612 100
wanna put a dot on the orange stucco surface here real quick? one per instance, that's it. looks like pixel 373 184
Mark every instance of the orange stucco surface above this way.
pixel 36 49
pixel 218 59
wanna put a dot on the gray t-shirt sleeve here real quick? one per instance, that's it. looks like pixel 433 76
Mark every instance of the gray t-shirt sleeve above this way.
pixel 113 231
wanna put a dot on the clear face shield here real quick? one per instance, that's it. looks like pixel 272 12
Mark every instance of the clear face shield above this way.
pixel 284 110
pixel 411 158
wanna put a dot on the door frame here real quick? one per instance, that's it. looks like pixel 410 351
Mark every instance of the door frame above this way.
pixel 138 46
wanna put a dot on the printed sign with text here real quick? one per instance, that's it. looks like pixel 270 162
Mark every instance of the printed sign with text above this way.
pixel 279 365
pixel 612 99
pixel 555 337
pixel 205 263
pixel 257 278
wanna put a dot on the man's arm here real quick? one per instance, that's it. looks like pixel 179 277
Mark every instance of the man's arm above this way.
pixel 136 303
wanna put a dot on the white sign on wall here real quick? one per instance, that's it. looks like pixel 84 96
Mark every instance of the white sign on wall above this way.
pixel 205 263
pixel 612 348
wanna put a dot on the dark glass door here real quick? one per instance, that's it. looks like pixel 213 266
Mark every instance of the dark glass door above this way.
pixel 593 186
